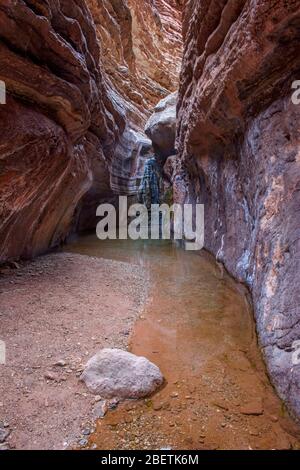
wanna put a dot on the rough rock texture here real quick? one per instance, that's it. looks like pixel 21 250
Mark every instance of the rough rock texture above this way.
pixel 76 107
pixel 238 141
pixel 117 373
pixel 161 127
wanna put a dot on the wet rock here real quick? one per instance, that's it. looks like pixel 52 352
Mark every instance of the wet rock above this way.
pixel 161 127
pixel 116 373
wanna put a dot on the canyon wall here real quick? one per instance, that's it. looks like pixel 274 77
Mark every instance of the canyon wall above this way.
pixel 57 118
pixel 238 146
pixel 79 88
pixel 141 51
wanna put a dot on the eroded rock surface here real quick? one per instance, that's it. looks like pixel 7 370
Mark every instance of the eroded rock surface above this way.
pixel 58 114
pixel 116 373
pixel 161 127
pixel 80 78
pixel 141 50
pixel 238 141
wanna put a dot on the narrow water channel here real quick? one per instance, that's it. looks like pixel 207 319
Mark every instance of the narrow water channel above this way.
pixel 198 327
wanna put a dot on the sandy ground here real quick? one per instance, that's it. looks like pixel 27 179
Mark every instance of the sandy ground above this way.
pixel 55 313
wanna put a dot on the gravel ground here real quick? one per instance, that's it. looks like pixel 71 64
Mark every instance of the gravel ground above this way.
pixel 55 313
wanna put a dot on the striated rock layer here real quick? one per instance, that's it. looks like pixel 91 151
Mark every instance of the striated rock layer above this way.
pixel 58 115
pixel 141 51
pixel 77 100
pixel 238 143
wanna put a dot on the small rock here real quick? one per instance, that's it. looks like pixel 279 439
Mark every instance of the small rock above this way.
pixel 174 395
pixel 116 373
pixel 113 404
pixel 157 406
pixel 83 442
pixel 4 447
pixel 97 398
pixel 60 363
pixel 87 432
pixel 51 376
pixel 100 409
pixel 4 433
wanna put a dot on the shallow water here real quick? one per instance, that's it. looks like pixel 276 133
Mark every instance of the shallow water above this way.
pixel 198 327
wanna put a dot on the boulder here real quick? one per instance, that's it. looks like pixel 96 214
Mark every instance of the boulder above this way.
pixel 116 373
pixel 161 127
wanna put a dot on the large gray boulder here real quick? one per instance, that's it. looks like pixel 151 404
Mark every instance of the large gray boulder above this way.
pixel 116 373
pixel 161 127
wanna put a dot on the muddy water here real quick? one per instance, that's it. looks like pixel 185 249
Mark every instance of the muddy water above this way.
pixel 197 326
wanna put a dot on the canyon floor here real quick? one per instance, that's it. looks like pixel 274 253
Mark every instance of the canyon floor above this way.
pixel 55 313
pixel 180 310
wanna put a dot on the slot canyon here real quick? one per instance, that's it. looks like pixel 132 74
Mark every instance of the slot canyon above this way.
pixel 189 101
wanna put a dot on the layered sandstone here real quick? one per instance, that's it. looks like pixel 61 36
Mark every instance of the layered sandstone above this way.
pixel 58 115
pixel 238 144
pixel 77 99
pixel 141 50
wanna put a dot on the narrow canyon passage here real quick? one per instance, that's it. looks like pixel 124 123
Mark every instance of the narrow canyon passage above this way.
pixel 158 102
pixel 197 326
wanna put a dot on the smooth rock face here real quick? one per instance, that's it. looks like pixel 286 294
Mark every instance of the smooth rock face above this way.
pixel 116 373
pixel 238 144
pixel 161 127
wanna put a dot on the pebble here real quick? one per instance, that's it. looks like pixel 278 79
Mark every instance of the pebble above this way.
pixel 113 404
pixel 100 409
pixel 97 398
pixel 157 406
pixel 174 395
pixel 4 424
pixel 51 376
pixel 60 363
pixel 83 442
pixel 4 447
pixel 4 433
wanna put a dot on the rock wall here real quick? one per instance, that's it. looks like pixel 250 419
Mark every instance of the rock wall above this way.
pixel 141 51
pixel 57 117
pixel 238 145
pixel 77 100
